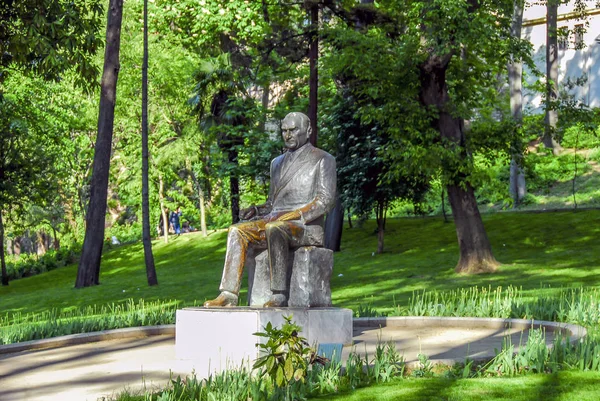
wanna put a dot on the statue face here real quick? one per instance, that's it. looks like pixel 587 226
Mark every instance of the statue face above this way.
pixel 294 135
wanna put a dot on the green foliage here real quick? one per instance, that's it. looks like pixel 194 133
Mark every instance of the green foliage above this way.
pixel 46 134
pixel 238 383
pixel 27 150
pixel 366 310
pixel 425 367
pixel 20 327
pixel 125 232
pixel 286 356
pixel 50 37
pixel 27 265
pixel 388 57
pixel 365 182
pixel 535 356
pixel 491 178
pixel 545 170
pixel 581 137
pixel 387 363
pixel 566 305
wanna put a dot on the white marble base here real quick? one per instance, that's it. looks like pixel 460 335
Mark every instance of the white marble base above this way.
pixel 222 338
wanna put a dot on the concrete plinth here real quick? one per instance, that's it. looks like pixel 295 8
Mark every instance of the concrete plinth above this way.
pixel 309 273
pixel 221 338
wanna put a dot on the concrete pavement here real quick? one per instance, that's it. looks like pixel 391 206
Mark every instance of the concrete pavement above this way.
pixel 78 370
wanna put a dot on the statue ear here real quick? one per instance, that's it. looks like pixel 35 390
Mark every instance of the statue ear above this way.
pixel 309 130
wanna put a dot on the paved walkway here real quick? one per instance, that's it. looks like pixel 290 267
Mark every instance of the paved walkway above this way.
pixel 95 370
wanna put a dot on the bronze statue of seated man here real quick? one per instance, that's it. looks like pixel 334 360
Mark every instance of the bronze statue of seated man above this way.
pixel 302 190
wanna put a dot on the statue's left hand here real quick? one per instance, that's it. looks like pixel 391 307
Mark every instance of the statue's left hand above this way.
pixel 248 213
pixel 293 215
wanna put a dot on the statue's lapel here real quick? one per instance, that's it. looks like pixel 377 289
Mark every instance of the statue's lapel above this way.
pixel 289 169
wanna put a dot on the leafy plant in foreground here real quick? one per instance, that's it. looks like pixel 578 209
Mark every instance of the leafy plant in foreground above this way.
pixel 286 355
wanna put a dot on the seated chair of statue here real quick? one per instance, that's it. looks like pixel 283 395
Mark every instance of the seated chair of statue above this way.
pixel 309 271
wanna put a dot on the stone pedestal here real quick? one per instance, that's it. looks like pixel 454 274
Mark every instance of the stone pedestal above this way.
pixel 222 338
pixel 311 273
pixel 309 270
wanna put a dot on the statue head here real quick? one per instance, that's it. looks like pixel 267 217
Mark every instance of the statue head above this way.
pixel 295 130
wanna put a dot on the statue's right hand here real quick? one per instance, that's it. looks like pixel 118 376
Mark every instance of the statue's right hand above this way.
pixel 248 213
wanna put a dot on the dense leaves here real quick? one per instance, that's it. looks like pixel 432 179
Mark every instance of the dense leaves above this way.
pixel 49 37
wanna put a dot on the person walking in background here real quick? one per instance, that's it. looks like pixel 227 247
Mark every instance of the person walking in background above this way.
pixel 175 216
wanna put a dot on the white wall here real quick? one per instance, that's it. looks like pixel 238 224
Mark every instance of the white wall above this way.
pixel 572 63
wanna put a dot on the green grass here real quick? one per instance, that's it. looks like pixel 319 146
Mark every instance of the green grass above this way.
pixel 567 386
pixel 540 252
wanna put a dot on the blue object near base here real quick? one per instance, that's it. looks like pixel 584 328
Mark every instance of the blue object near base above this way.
pixel 331 351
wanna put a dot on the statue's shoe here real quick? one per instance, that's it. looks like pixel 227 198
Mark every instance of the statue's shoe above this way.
pixel 276 301
pixel 225 298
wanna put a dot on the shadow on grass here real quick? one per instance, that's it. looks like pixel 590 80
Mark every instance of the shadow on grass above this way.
pixel 537 249
pixel 552 249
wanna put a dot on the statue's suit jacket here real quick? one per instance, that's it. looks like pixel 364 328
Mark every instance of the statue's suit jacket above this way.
pixel 303 180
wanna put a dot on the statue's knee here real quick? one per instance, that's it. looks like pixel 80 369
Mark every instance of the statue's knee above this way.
pixel 273 226
pixel 234 231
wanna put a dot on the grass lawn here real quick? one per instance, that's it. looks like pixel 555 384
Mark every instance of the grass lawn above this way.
pixel 567 386
pixel 540 252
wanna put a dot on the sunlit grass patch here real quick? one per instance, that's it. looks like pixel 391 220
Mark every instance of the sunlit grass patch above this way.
pixel 543 254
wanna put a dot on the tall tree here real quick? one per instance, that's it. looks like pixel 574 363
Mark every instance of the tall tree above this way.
pixel 434 94
pixel 437 64
pixel 313 57
pixel 551 118
pixel 365 184
pixel 515 78
pixel 147 240
pixel 88 271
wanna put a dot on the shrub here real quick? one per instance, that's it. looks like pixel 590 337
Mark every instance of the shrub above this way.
pixel 545 170
pixel 26 265
pixel 580 136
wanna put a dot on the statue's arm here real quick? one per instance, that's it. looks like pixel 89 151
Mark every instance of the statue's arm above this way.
pixel 325 197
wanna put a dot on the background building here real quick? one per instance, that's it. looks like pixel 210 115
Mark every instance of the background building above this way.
pixel 579 51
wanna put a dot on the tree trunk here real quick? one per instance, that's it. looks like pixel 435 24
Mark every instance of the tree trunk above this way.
pixel 202 211
pixel 515 77
pixel 146 237
pixel 475 250
pixel 234 189
pixel 201 204
pixel 313 57
pixel 518 188
pixel 265 105
pixel 163 213
pixel 551 118
pixel 444 207
pixel 88 271
pixel 333 226
pixel 349 219
pixel 2 260
pixel 55 240
pixel 380 217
